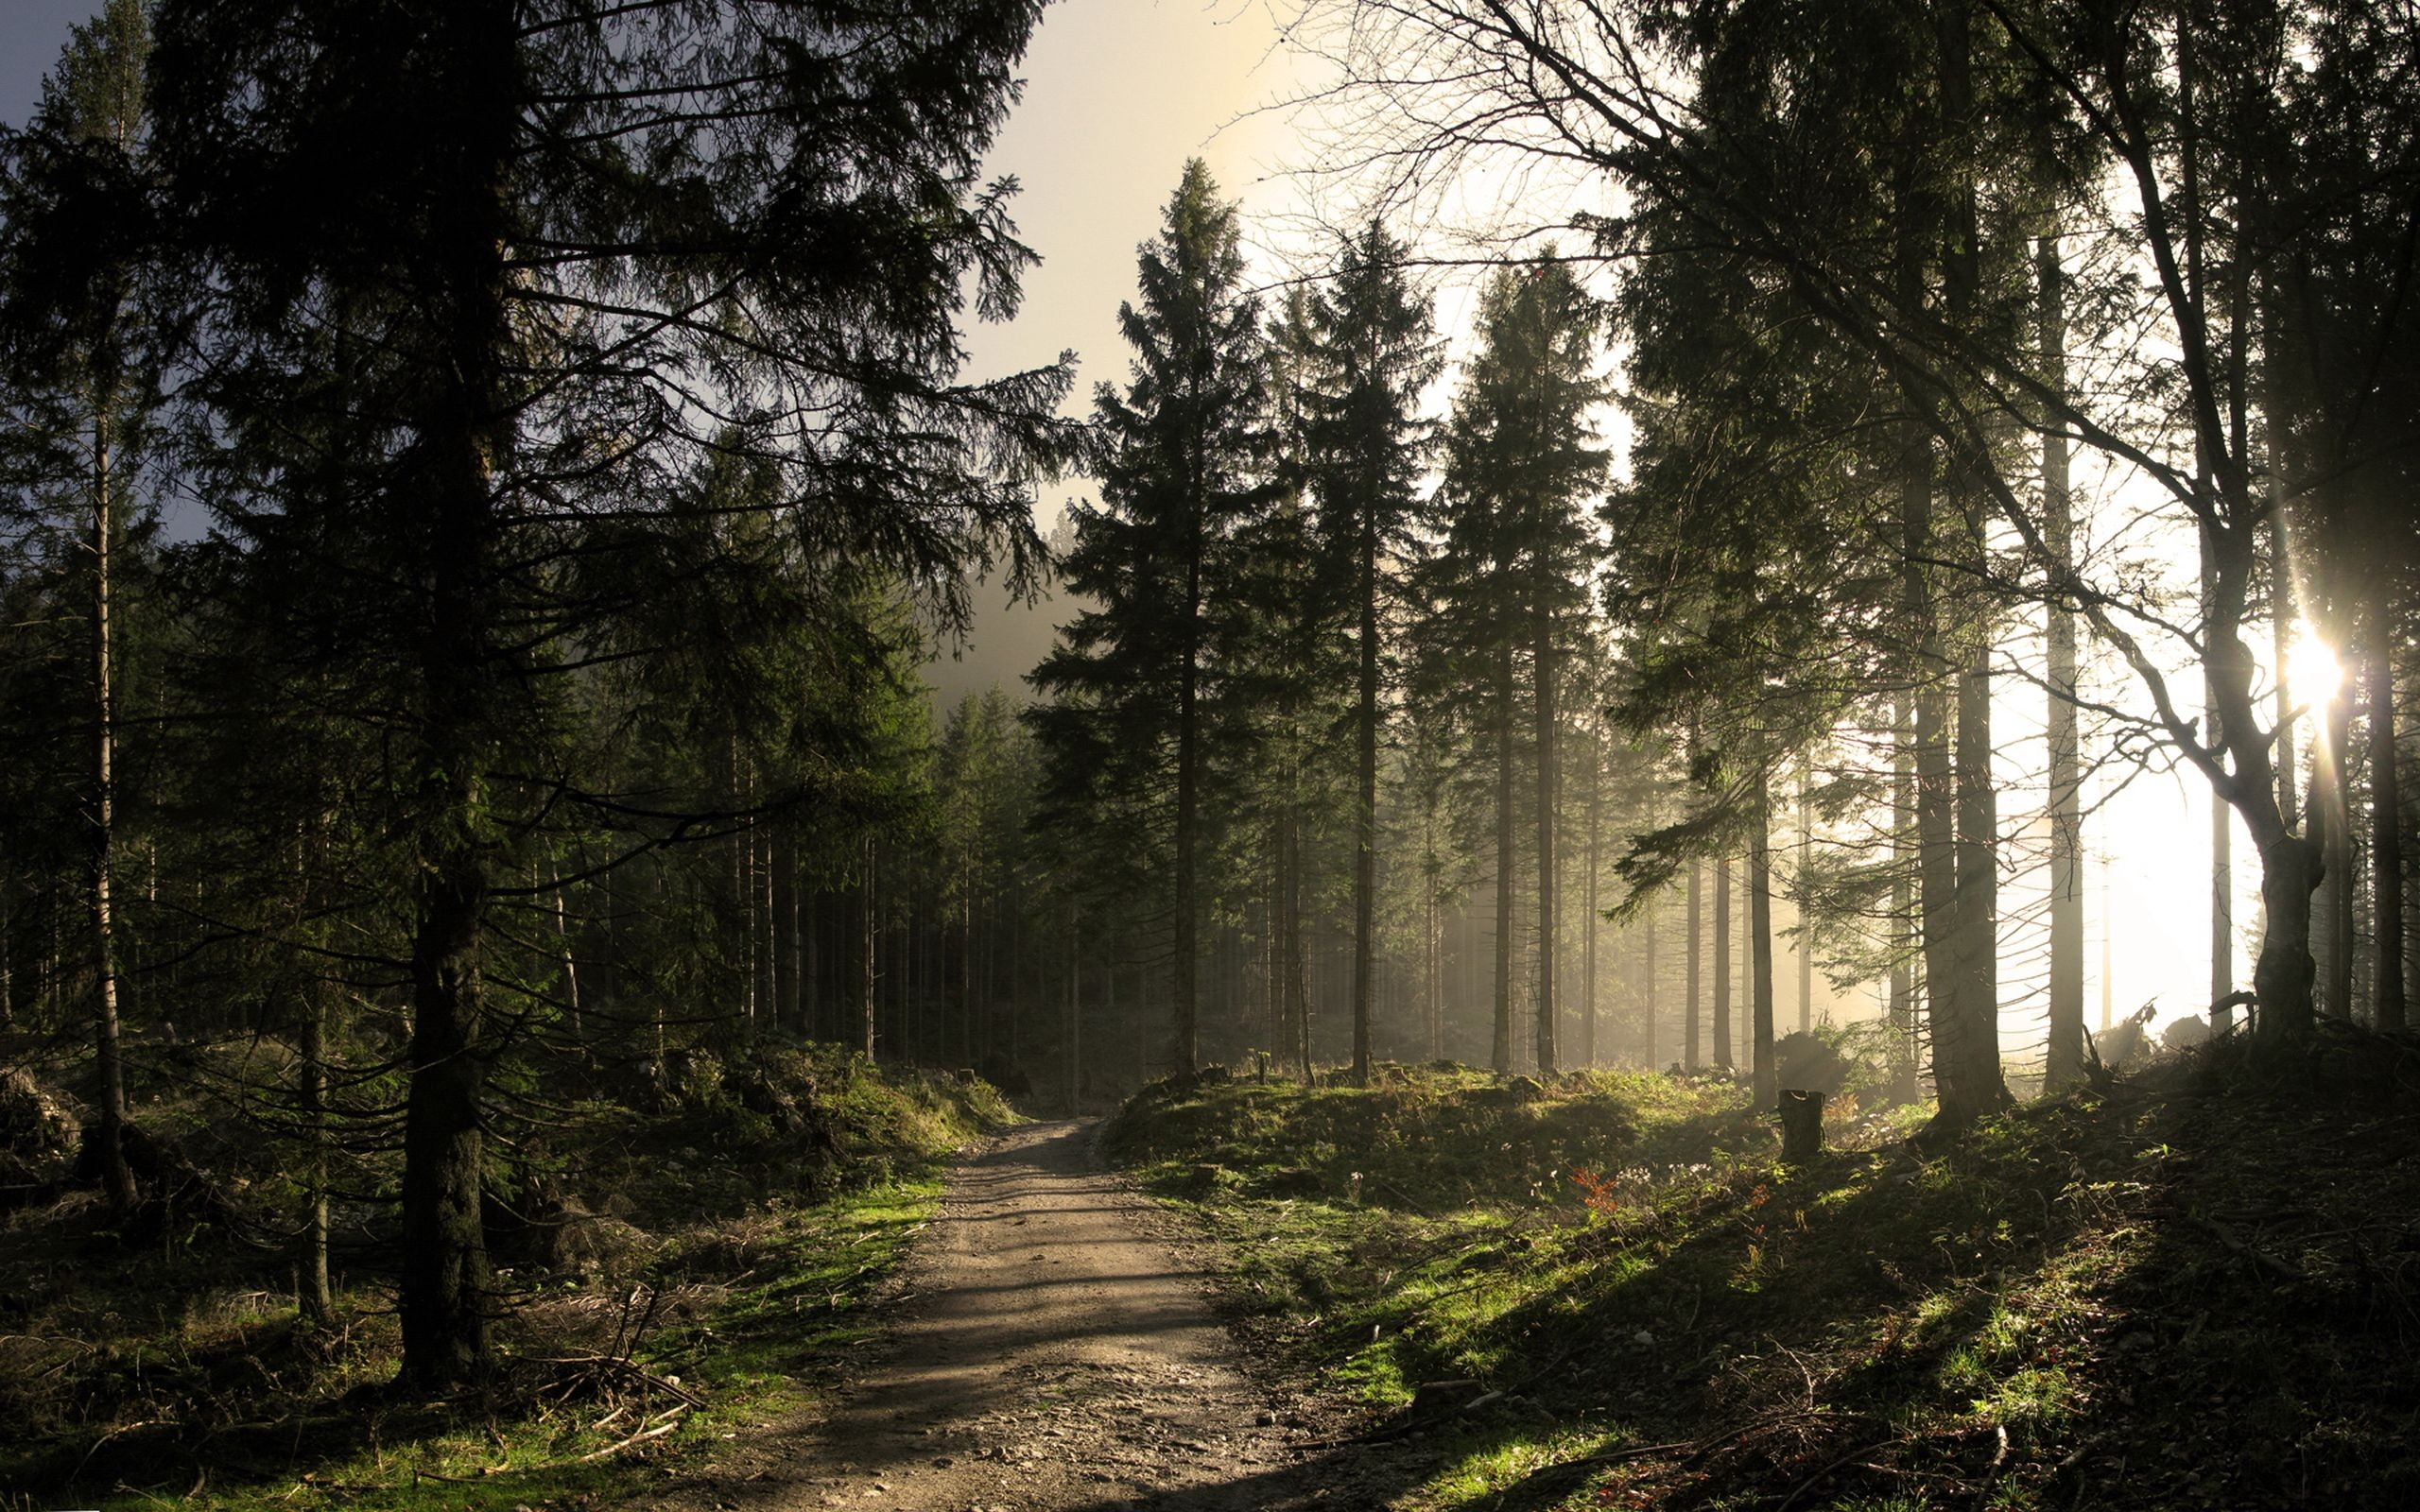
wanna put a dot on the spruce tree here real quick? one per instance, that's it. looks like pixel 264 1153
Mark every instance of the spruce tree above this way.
pixel 1508 576
pixel 1369 355
pixel 1184 453
pixel 83 345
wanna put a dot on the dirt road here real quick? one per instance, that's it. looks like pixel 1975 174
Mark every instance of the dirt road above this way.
pixel 1051 1351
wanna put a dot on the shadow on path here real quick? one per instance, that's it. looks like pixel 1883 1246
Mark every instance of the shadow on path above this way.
pixel 1049 1352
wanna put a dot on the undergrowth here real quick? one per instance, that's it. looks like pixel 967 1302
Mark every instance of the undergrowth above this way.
pixel 708 1263
pixel 2192 1288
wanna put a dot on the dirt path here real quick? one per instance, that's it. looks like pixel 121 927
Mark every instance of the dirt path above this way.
pixel 1049 1350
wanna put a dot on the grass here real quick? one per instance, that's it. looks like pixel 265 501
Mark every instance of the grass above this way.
pixel 729 1259
pixel 2190 1288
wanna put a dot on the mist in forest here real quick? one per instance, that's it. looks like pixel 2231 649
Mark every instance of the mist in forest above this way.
pixel 614 609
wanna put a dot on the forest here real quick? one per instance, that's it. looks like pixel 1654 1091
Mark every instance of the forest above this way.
pixel 1650 613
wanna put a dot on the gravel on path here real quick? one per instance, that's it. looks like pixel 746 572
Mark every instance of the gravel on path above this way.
pixel 1048 1351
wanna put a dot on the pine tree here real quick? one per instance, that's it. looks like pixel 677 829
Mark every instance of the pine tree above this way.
pixel 1184 464
pixel 1521 461
pixel 1369 354
pixel 82 354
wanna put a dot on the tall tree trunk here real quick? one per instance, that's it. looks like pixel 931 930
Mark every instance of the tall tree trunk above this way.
pixel 2292 863
pixel 1074 1013
pixel 786 946
pixel 1016 973
pixel 117 1176
pixel 1692 1052
pixel 316 1301
pixel 1295 957
pixel 1722 963
pixel 1805 927
pixel 1365 800
pixel 738 909
pixel 962 1028
pixel 2282 594
pixel 1543 703
pixel 857 1006
pixel 2063 1062
pixel 1936 847
pixel 1966 1055
pixel 2207 450
pixel 1589 919
pixel 2221 817
pixel 1505 865
pixel 1432 984
pixel 1761 937
pixel 444 1292
pixel 764 931
pixel 1184 967
pixel 1746 1017
pixel 811 1019
pixel 2386 814
pixel 442 1297
pixel 1647 991
pixel 2333 907
pixel 1966 1059
pixel 1115 947
pixel 2289 866
pixel 1936 883
pixel 1900 1007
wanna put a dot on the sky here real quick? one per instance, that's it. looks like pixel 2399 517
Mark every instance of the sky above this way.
pixel 31 34
pixel 1119 93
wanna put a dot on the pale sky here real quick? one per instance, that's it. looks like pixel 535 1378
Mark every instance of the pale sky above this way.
pixel 1117 95
pixel 32 32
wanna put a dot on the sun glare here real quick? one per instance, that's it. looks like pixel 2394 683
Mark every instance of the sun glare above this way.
pixel 2313 673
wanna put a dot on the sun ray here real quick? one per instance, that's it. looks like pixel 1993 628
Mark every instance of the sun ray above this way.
pixel 2313 676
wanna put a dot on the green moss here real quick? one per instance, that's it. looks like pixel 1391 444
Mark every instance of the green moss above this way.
pixel 2004 1322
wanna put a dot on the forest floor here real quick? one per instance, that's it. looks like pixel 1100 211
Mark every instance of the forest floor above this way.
pixel 1052 1344
pixel 708 1267
pixel 2194 1287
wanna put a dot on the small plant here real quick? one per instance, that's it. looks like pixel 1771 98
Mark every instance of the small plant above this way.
pixel 1599 1195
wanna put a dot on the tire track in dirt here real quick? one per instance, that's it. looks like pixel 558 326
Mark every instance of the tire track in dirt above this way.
pixel 1046 1351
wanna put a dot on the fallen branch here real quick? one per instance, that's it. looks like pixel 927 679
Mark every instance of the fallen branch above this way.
pixel 122 1428
pixel 624 1366
pixel 1404 1197
pixel 1808 1483
pixel 639 1437
pixel 1696 1448
pixel 1614 1457
pixel 663 1423
pixel 2226 1236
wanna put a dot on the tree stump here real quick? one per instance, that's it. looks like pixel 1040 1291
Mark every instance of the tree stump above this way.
pixel 1801 1125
